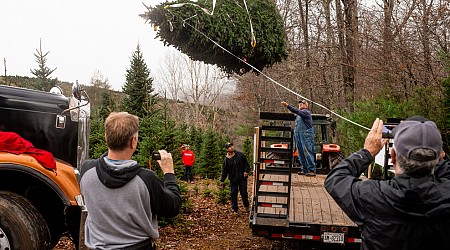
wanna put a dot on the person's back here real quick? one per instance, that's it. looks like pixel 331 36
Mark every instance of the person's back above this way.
pixel 404 213
pixel 124 200
pixel 410 211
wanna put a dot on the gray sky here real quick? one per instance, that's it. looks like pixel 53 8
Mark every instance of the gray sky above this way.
pixel 83 37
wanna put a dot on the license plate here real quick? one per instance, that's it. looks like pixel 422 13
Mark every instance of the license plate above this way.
pixel 333 237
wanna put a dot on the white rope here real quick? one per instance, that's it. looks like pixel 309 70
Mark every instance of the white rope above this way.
pixel 275 82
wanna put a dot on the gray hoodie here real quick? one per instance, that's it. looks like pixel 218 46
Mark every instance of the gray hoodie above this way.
pixel 123 201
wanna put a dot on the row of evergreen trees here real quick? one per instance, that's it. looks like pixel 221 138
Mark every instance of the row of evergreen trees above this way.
pixel 156 131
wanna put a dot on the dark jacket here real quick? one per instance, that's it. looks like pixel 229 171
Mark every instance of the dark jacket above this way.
pixel 235 167
pixel 124 201
pixel 401 213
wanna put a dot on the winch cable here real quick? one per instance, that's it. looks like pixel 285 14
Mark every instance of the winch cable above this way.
pixel 272 80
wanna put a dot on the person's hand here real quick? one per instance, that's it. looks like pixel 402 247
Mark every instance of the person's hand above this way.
pixel 166 162
pixel 374 142
pixel 245 174
pixel 284 104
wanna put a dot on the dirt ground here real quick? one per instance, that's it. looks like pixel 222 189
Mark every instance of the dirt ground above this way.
pixel 210 226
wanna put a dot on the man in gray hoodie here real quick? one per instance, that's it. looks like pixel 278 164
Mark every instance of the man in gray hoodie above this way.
pixel 124 200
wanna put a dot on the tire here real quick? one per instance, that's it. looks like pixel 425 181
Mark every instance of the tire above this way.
pixel 22 225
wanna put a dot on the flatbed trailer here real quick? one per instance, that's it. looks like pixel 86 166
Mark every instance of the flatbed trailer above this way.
pixel 286 205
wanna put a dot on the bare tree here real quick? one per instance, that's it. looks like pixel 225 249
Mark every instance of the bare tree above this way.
pixel 98 80
pixel 194 86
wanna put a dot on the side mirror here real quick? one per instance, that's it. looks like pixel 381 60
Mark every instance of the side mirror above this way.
pixel 76 90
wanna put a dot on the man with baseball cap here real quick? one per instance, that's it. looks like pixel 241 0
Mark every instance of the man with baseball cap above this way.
pixel 304 137
pixel 410 211
pixel 236 168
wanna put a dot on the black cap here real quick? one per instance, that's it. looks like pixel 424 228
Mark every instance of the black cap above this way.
pixel 228 144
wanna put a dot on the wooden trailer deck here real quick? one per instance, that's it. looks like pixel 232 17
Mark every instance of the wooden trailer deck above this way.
pixel 310 203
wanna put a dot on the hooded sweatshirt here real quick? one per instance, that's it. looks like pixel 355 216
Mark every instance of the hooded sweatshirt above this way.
pixel 406 212
pixel 123 202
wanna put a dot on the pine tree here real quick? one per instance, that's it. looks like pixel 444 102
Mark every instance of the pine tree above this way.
pixel 43 73
pixel 247 150
pixel 446 85
pixel 210 165
pixel 107 105
pixel 138 87
pixel 97 144
pixel 195 139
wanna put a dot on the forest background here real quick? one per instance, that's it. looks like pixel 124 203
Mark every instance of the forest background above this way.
pixel 384 59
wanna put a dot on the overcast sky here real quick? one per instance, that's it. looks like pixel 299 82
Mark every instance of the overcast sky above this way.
pixel 82 36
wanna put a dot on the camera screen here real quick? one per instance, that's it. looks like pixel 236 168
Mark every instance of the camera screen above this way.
pixel 387 130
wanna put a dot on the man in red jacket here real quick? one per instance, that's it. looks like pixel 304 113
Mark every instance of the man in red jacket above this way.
pixel 188 158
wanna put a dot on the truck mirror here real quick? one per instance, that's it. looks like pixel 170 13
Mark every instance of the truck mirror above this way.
pixel 76 91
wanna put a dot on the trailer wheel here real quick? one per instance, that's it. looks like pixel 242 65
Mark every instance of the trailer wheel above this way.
pixel 21 225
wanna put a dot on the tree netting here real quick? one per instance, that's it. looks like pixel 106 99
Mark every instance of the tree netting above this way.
pixel 229 26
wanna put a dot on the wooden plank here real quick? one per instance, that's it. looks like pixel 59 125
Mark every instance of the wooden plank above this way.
pixel 324 205
pixel 316 209
pixel 292 201
pixel 307 209
pixel 336 214
pixel 311 203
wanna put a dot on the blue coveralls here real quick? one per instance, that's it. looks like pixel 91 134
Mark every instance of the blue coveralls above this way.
pixel 304 139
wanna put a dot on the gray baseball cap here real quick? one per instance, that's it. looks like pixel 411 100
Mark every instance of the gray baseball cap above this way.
pixel 416 133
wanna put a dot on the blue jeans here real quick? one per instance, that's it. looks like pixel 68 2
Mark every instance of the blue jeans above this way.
pixel 240 186
pixel 305 149
pixel 186 170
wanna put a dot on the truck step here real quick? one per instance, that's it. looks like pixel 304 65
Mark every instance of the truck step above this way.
pixel 276 128
pixel 274 161
pixel 272 204
pixel 274 183
pixel 273 194
pixel 275 171
pixel 276 150
pixel 280 216
pixel 282 140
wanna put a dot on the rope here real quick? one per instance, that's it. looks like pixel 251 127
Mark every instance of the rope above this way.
pixel 275 82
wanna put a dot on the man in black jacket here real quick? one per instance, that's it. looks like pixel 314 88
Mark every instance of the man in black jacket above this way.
pixel 236 167
pixel 410 211
pixel 123 199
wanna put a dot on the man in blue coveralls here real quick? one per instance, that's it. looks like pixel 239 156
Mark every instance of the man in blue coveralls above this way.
pixel 304 137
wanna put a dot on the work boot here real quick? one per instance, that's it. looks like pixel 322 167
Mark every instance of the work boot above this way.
pixel 301 173
pixel 310 174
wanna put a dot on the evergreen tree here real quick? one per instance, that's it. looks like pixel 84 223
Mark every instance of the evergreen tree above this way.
pixel 97 144
pixel 446 84
pixel 247 150
pixel 210 165
pixel 107 105
pixel 43 72
pixel 138 87
pixel 195 140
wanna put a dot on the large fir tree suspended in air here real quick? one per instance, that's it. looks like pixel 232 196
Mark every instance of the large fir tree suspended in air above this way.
pixel 138 87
